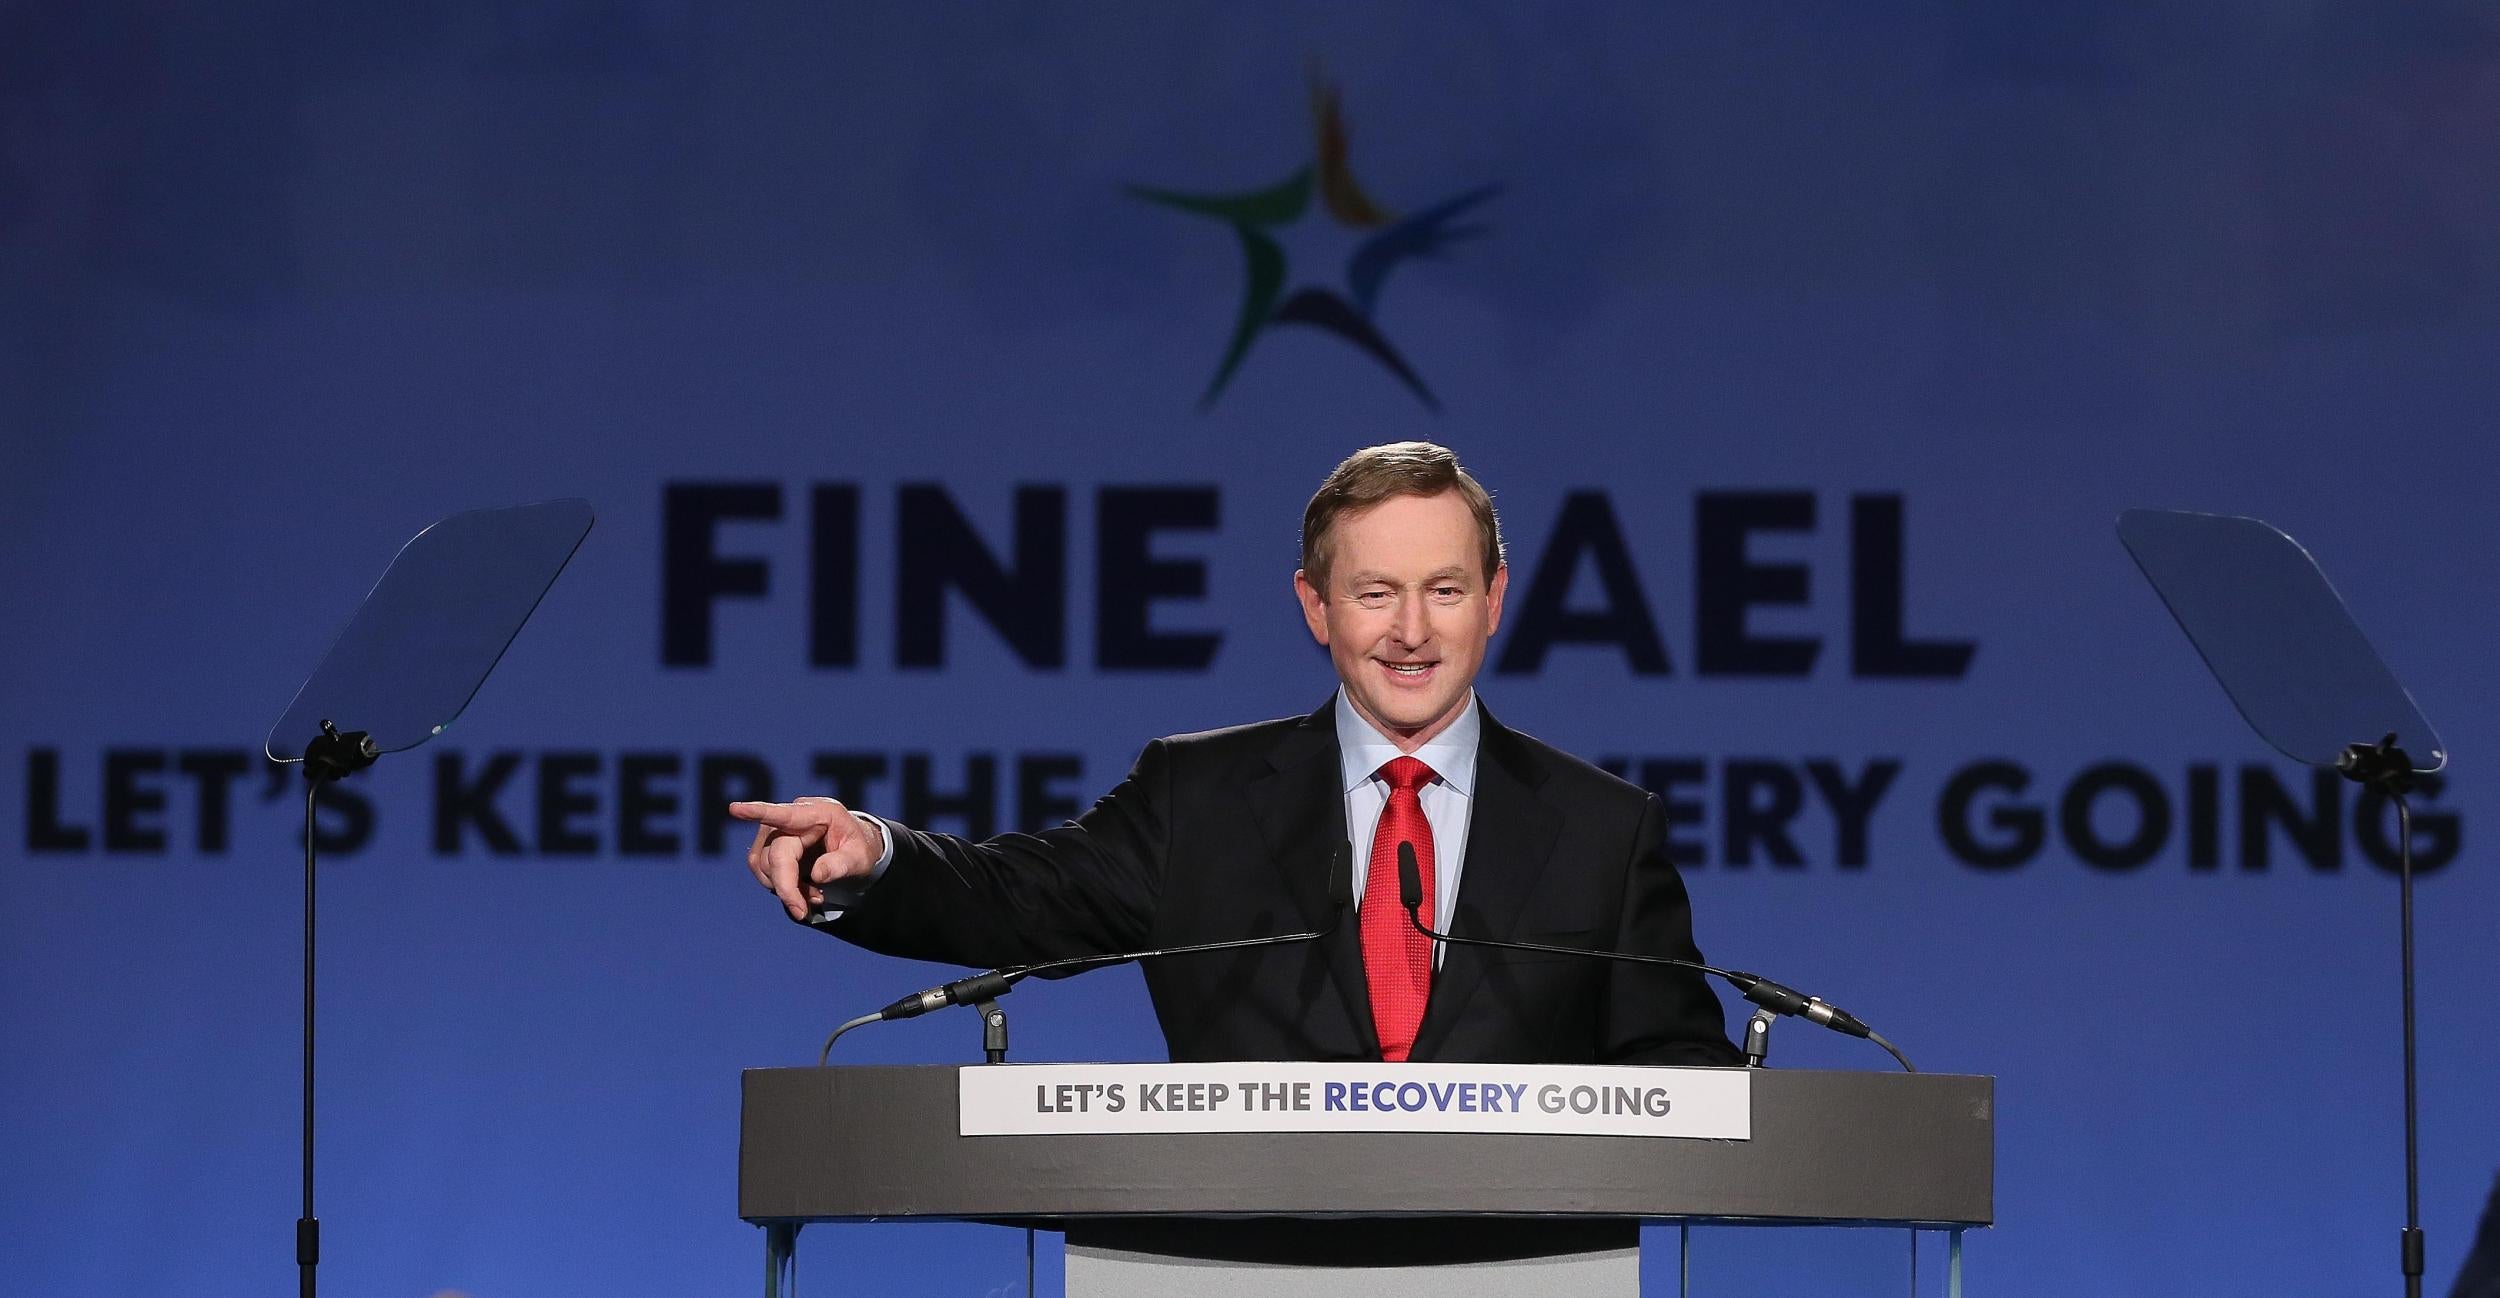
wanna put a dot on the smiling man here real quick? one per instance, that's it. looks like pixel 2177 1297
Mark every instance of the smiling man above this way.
pixel 1229 834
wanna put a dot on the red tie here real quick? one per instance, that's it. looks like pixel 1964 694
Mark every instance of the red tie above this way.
pixel 1397 960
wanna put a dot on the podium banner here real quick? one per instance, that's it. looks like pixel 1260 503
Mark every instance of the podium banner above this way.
pixel 1116 1099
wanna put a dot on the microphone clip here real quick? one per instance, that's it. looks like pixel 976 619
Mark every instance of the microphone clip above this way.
pixel 1758 1036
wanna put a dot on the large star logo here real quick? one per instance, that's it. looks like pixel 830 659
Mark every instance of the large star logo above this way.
pixel 1346 313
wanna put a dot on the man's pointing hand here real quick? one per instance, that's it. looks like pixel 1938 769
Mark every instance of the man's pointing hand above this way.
pixel 803 845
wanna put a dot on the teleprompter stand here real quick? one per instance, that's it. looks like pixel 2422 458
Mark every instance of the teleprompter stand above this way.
pixel 407 664
pixel 2294 662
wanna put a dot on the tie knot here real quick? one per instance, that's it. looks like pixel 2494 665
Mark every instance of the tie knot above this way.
pixel 1406 774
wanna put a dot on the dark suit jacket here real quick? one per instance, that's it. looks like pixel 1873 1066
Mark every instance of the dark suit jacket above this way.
pixel 2480 1276
pixel 1228 834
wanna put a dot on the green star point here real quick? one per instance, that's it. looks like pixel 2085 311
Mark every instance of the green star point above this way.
pixel 1263 260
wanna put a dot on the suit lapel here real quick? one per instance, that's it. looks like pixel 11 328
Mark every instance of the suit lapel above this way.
pixel 1510 836
pixel 1300 808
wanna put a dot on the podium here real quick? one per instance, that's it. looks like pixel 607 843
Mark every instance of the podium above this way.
pixel 1258 1213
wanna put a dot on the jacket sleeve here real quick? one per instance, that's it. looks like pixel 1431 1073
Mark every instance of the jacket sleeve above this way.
pixel 1085 888
pixel 1657 1014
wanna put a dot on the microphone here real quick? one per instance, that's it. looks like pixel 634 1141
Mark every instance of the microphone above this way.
pixel 994 983
pixel 1771 996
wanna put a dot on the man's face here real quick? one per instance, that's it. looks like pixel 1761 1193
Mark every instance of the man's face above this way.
pixel 1407 612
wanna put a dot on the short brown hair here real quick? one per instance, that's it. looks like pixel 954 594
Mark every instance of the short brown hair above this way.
pixel 1378 473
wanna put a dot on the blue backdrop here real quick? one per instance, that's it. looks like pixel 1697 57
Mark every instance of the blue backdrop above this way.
pixel 1810 353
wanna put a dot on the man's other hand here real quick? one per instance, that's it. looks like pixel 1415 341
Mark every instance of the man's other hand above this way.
pixel 801 846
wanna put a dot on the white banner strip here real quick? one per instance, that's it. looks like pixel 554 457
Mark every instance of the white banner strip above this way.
pixel 1111 1099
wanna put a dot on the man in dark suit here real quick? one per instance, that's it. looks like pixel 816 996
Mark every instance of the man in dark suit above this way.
pixel 1229 834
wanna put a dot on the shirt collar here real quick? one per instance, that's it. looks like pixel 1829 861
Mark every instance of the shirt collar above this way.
pixel 1362 750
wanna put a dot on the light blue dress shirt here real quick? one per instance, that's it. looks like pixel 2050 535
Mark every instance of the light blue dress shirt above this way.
pixel 1448 799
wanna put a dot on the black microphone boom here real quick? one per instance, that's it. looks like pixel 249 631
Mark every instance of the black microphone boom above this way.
pixel 992 984
pixel 1760 990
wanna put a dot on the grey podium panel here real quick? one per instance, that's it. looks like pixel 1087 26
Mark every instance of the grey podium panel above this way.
pixel 835 1144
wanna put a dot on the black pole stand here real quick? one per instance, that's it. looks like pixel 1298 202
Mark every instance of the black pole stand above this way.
pixel 331 757
pixel 2385 768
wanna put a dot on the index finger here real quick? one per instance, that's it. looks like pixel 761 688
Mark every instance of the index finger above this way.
pixel 779 815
